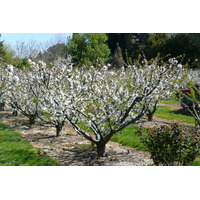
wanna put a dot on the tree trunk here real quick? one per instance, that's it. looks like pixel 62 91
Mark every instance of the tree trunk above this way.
pixel 101 149
pixel 150 116
pixel 15 113
pixel 58 129
pixel 2 105
pixel 32 119
pixel 150 113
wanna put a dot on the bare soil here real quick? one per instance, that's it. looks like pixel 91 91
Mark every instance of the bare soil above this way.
pixel 70 149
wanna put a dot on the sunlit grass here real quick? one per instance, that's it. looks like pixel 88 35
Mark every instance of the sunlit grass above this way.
pixel 128 137
pixel 166 113
pixel 197 162
pixel 170 101
pixel 14 151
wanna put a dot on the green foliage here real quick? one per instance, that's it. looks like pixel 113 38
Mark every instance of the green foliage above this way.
pixel 14 151
pixel 152 44
pixel 129 43
pixel 9 55
pixel 88 48
pixel 2 50
pixel 190 100
pixel 46 115
pixel 196 163
pixel 171 146
pixel 22 63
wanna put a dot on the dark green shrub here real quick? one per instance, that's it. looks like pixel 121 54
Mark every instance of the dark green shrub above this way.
pixel 172 146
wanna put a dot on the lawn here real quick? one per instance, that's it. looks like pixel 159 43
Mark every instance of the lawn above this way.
pixel 166 113
pixel 14 151
pixel 170 101
pixel 128 137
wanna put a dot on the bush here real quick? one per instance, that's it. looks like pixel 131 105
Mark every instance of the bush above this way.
pixel 172 146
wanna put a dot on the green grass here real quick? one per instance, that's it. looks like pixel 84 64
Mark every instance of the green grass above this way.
pixel 197 162
pixel 167 113
pixel 170 101
pixel 14 151
pixel 128 137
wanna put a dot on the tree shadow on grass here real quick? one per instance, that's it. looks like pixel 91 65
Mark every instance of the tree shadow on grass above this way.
pixel 182 112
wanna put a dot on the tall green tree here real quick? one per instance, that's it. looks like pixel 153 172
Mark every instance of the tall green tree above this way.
pixel 88 48
pixel 130 45
pixel 119 42
pixel 2 50
pixel 156 43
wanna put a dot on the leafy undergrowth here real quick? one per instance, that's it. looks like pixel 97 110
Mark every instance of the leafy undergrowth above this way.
pixel 167 113
pixel 14 151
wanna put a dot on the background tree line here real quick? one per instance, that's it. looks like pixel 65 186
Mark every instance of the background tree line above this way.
pixel 151 44
pixel 124 48
pixel 119 49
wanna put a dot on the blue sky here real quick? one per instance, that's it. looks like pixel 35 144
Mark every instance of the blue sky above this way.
pixel 12 38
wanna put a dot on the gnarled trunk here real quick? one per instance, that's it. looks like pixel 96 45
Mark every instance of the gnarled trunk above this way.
pixel 101 149
pixel 32 119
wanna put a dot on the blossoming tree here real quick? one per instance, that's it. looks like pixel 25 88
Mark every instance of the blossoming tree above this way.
pixel 53 103
pixel 168 90
pixel 7 79
pixel 107 101
pixel 22 93
pixel 103 100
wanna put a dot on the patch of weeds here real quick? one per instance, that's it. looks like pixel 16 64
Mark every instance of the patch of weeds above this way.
pixel 68 133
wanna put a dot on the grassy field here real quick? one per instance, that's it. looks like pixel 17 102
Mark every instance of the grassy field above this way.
pixel 14 151
pixel 166 113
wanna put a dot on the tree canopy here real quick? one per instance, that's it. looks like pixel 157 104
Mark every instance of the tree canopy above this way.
pixel 88 48
pixel 2 50
pixel 152 44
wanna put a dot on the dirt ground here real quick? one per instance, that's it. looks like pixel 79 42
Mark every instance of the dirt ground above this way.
pixel 70 149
